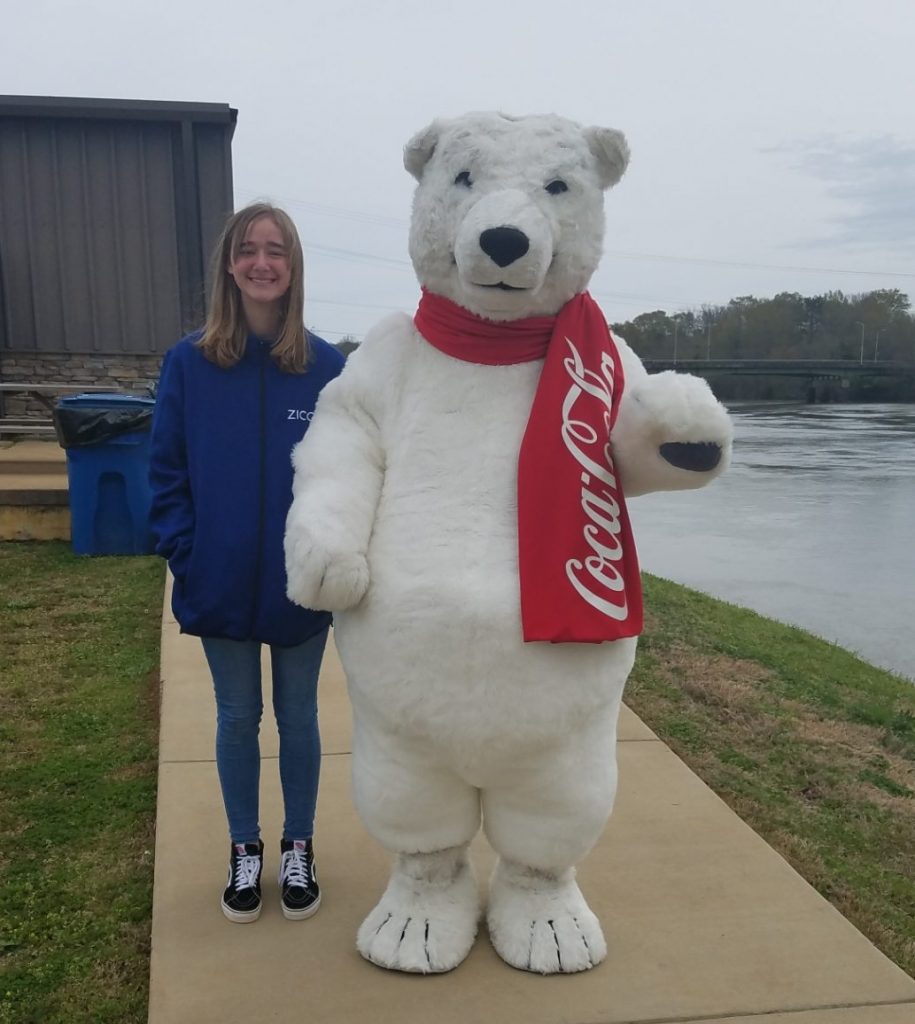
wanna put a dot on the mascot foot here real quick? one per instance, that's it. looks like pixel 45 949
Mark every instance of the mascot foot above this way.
pixel 427 919
pixel 540 922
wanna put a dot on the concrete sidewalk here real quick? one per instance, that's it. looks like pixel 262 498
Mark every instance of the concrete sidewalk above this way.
pixel 704 921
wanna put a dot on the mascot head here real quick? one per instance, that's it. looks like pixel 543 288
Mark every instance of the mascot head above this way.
pixel 508 215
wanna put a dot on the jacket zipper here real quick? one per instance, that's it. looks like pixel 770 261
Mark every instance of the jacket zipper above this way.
pixel 262 491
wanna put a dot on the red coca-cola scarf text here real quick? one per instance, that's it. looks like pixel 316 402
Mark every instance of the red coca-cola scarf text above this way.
pixel 579 572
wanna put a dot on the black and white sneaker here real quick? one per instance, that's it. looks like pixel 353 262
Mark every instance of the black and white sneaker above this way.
pixel 241 901
pixel 301 895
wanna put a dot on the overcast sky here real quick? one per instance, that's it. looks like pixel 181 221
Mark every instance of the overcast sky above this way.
pixel 773 141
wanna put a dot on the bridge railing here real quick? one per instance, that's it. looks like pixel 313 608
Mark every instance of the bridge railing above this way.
pixel 785 367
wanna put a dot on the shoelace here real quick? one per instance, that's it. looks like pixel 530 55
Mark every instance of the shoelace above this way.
pixel 294 870
pixel 247 870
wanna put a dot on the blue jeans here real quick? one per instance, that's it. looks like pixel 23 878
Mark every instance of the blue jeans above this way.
pixel 236 669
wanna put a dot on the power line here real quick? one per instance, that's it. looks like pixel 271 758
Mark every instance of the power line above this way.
pixel 352 305
pixel 644 300
pixel 363 257
pixel 354 256
pixel 362 217
pixel 371 218
pixel 321 331
pixel 753 266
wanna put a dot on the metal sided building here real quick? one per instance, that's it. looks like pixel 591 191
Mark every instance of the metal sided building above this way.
pixel 109 210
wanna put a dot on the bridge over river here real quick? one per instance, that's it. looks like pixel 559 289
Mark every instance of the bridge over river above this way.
pixel 820 374
pixel 811 369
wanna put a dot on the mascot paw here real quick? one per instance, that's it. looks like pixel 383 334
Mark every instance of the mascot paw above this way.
pixel 681 407
pixel 316 578
pixel 672 434
pixel 345 581
pixel 541 923
pixel 422 925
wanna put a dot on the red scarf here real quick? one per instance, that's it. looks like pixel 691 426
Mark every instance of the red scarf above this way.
pixel 579 571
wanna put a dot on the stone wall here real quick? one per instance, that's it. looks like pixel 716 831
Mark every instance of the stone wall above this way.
pixel 130 373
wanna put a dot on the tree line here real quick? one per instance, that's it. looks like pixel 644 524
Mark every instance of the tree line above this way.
pixel 876 325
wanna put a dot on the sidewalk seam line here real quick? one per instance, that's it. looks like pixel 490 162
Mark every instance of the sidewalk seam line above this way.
pixel 264 757
pixel 793 1011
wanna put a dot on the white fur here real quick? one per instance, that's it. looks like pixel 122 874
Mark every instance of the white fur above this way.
pixel 404 524
pixel 426 920
pixel 510 162
pixel 540 921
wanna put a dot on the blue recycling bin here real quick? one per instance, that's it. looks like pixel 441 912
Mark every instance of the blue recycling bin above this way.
pixel 106 437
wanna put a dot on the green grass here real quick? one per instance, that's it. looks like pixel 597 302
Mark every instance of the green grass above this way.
pixel 79 656
pixel 812 747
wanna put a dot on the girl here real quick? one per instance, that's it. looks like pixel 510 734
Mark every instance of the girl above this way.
pixel 233 399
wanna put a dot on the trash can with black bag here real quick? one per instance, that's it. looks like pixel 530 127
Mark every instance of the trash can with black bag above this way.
pixel 106 437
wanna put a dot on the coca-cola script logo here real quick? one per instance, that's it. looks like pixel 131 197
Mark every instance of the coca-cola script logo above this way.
pixel 597 579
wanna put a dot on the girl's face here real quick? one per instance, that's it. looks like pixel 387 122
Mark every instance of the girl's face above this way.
pixel 261 265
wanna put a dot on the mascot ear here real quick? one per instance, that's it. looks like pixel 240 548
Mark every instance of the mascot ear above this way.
pixel 418 151
pixel 610 148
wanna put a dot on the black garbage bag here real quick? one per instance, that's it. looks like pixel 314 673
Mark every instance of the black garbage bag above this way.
pixel 94 419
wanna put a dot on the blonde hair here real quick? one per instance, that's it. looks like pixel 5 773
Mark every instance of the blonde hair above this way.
pixel 226 330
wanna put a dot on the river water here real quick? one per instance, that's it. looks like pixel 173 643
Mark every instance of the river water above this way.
pixel 813 524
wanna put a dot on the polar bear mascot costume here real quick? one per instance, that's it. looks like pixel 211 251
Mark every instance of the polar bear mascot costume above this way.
pixel 458 504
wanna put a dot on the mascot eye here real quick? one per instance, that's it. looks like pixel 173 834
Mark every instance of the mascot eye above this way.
pixel 464 179
pixel 557 186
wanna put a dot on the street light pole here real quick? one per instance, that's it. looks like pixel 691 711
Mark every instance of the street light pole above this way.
pixel 861 325
pixel 676 332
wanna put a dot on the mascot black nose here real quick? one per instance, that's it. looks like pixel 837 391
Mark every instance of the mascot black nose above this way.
pixel 504 245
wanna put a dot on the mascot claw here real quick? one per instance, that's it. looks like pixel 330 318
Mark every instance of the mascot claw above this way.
pixel 426 920
pixel 541 923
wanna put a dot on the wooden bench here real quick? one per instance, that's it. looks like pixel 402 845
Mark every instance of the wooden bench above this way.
pixel 19 425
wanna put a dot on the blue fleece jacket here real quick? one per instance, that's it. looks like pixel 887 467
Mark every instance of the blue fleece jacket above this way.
pixel 221 478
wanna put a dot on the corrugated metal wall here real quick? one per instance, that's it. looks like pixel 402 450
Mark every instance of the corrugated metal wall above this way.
pixel 108 212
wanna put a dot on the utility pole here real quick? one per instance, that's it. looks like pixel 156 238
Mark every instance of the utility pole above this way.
pixel 880 330
pixel 861 325
pixel 708 340
pixel 676 332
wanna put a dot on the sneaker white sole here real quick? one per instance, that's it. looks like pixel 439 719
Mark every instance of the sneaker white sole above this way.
pixel 300 915
pixel 241 916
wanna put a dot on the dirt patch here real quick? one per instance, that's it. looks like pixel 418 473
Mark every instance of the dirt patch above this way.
pixel 862 749
pixel 715 677
pixel 727 689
